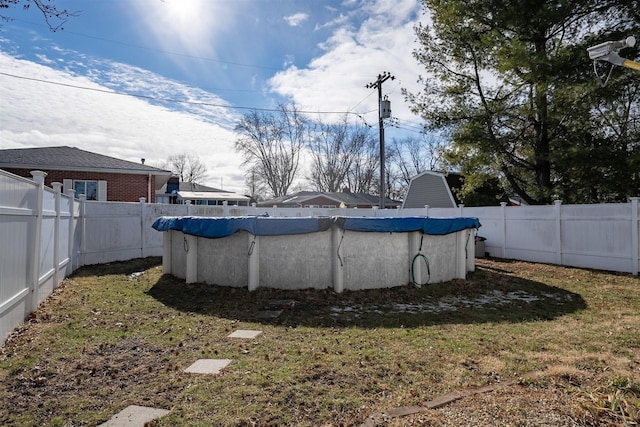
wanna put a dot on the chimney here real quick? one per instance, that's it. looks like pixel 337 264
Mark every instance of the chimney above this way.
pixel 142 160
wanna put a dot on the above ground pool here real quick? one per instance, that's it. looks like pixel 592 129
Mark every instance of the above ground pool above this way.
pixel 351 253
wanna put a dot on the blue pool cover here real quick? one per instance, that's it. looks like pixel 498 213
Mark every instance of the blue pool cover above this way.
pixel 274 226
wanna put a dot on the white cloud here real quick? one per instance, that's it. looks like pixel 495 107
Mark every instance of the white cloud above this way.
pixel 340 20
pixel 353 57
pixel 37 114
pixel 296 19
pixel 45 60
pixel 183 25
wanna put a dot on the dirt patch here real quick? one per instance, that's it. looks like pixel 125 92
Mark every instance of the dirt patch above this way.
pixel 125 371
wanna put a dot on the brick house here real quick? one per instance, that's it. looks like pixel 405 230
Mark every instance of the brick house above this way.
pixel 97 176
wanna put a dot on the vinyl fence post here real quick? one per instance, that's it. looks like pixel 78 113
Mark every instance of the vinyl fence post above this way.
pixel 426 211
pixel 635 237
pixel 558 230
pixel 143 202
pixel 38 179
pixel 57 186
pixel 72 231
pixel 83 229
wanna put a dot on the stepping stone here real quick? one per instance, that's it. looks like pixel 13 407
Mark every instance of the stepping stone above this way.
pixel 244 333
pixel 134 416
pixel 207 366
pixel 269 314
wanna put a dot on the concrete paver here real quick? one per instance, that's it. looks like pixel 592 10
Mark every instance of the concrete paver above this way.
pixel 134 416
pixel 207 366
pixel 244 333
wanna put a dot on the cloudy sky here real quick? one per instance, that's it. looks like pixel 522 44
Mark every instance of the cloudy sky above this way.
pixel 149 78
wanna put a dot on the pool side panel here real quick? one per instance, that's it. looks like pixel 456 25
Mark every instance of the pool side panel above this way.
pixel 298 261
pixel 374 260
pixel 223 261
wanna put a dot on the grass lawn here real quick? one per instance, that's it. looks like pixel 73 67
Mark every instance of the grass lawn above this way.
pixel 561 346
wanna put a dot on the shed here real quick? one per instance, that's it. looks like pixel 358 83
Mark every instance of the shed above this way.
pixel 429 188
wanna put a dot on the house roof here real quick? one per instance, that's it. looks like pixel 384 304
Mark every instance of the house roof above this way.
pixel 72 159
pixel 192 186
pixel 349 199
pixel 193 191
pixel 211 195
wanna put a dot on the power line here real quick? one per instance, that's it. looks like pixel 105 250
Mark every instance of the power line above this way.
pixel 349 111
pixel 150 49
pixel 178 101
pixel 362 100
pixel 407 125
pixel 206 59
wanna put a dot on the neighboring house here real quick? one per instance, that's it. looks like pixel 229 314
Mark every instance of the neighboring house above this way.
pixel 176 192
pixel 96 176
pixel 429 188
pixel 317 199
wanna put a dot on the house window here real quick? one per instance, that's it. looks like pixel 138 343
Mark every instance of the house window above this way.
pixel 88 188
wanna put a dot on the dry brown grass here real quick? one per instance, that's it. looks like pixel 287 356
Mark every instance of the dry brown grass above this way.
pixel 560 345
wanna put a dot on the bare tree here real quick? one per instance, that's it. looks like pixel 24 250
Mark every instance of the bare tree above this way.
pixel 334 149
pixel 54 17
pixel 255 187
pixel 187 166
pixel 361 177
pixel 409 157
pixel 270 144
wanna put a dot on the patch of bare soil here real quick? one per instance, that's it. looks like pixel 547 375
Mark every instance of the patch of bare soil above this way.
pixel 107 373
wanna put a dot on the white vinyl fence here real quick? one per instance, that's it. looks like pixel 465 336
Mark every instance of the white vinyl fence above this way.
pixel 46 235
pixel 38 244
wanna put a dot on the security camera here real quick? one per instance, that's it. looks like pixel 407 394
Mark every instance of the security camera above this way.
pixel 608 51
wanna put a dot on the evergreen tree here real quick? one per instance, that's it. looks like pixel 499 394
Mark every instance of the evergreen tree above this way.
pixel 513 84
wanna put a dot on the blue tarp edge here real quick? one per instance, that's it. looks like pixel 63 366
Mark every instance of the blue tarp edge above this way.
pixel 273 226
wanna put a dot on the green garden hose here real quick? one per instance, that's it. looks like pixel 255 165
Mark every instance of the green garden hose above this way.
pixel 426 262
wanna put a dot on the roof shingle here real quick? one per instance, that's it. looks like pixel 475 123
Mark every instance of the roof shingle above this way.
pixel 68 158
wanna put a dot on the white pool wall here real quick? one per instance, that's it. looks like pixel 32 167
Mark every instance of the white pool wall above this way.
pixel 334 258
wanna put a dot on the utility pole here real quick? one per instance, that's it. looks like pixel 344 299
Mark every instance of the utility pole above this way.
pixel 382 114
